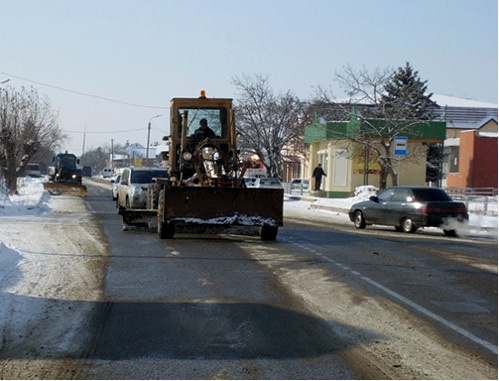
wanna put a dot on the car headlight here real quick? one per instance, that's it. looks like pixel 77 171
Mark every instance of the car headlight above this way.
pixel 187 156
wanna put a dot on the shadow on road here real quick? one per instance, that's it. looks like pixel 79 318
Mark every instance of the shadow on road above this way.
pixel 187 330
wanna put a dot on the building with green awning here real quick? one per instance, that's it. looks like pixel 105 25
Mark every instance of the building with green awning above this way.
pixel 346 151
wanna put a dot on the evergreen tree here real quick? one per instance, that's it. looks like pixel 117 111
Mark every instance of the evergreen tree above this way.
pixel 405 96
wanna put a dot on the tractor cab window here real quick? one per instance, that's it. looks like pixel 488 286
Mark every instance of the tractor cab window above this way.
pixel 215 117
pixel 67 161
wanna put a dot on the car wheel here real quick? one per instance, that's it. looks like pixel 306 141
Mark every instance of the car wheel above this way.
pixel 450 233
pixel 408 226
pixel 358 220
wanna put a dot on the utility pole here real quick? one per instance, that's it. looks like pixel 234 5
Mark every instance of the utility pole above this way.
pixel 148 136
pixel 112 154
pixel 84 135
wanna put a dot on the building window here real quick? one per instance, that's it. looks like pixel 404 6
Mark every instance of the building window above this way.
pixel 452 158
pixel 340 171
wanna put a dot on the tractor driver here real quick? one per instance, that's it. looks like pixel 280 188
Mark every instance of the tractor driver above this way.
pixel 203 131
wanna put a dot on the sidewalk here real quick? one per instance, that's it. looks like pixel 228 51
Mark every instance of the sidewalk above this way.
pixel 322 206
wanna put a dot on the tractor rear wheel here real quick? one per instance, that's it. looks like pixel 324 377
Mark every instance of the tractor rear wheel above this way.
pixel 166 230
pixel 268 233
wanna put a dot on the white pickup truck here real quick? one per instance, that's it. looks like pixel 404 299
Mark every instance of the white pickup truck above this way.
pixel 132 188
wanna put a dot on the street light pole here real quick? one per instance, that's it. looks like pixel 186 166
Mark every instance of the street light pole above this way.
pixel 148 135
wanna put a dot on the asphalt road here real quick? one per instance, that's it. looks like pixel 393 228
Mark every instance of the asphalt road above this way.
pixel 323 301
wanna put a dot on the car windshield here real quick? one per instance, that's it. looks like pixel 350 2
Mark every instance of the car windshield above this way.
pixel 430 194
pixel 269 182
pixel 215 117
pixel 145 177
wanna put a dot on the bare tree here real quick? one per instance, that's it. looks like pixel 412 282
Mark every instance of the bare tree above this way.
pixel 385 104
pixel 363 86
pixel 98 158
pixel 27 124
pixel 266 121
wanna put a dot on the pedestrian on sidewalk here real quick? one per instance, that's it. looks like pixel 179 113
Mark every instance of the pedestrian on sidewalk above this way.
pixel 317 175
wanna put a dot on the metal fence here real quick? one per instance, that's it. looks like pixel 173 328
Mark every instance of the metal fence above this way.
pixel 477 200
pixel 484 191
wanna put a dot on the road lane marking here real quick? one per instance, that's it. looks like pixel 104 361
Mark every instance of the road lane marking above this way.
pixel 491 347
pixel 433 316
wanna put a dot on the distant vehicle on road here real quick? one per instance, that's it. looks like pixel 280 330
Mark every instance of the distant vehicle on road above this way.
pixel 65 175
pixel 409 208
pixel 267 182
pixel 132 188
pixel 33 170
pixel 115 187
pixel 300 185
pixel 87 171
pixel 107 172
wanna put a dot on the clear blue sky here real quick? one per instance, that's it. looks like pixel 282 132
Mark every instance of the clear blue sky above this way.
pixel 146 52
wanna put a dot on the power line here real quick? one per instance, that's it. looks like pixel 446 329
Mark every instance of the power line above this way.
pixel 82 93
pixel 104 132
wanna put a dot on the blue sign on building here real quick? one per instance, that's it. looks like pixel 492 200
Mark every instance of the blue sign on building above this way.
pixel 400 145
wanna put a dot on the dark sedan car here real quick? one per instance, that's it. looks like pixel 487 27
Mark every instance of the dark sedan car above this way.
pixel 409 208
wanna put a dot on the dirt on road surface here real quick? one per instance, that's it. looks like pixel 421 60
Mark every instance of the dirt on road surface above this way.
pixel 387 340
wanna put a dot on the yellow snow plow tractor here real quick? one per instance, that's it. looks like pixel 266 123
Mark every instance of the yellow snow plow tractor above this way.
pixel 205 191
pixel 65 176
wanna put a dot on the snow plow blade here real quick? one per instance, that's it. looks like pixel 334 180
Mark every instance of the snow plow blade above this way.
pixel 235 210
pixel 146 218
pixel 57 189
pixel 219 206
pixel 244 211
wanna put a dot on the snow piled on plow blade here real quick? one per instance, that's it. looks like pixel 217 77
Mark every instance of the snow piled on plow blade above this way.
pixel 56 189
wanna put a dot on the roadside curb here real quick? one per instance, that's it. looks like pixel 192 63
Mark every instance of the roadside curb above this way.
pixel 98 180
pixel 312 201
pixel 330 208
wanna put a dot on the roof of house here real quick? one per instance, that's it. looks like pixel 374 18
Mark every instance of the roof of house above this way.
pixel 449 101
pixel 459 113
